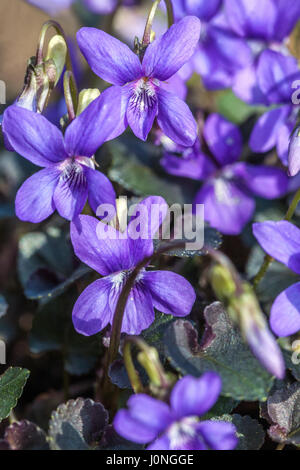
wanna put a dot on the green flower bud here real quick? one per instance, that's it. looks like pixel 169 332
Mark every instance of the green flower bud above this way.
pixel 85 98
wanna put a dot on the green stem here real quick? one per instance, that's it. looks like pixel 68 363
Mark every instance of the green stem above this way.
pixel 40 48
pixel 59 30
pixel 12 417
pixel 132 373
pixel 150 19
pixel 293 206
pixel 70 92
pixel 120 309
pixel 268 259
pixel 170 12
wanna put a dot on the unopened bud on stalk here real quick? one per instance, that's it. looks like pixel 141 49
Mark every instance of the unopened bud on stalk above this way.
pixel 85 98
pixel 294 153
pixel 57 54
pixel 244 310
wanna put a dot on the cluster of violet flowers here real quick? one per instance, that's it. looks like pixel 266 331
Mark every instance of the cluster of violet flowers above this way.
pixel 239 44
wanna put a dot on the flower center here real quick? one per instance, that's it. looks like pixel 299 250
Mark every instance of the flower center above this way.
pixel 72 172
pixel 119 278
pixel 181 432
pixel 143 94
pixel 223 188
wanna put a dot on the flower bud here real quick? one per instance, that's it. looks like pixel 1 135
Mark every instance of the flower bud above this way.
pixel 244 310
pixel 85 98
pixel 255 331
pixel 57 53
pixel 294 153
pixel 222 282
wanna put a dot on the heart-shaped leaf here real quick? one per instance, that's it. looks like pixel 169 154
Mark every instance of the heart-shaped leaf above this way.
pixel 12 383
pixel 222 350
pixel 77 425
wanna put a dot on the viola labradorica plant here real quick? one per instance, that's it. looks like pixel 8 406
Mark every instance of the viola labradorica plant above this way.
pixel 229 186
pixel 178 426
pixel 115 255
pixel 69 176
pixel 138 80
pixel 141 281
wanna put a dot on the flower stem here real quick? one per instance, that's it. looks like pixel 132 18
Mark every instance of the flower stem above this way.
pixel 293 206
pixel 120 309
pixel 12 417
pixel 132 373
pixel 70 92
pixel 40 48
pixel 59 30
pixel 150 19
pixel 268 259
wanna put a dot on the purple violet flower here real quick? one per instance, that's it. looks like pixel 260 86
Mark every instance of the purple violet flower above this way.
pixel 265 24
pixel 102 7
pixel 220 53
pixel 114 255
pixel 52 7
pixel 275 74
pixel 265 20
pixel 69 176
pixel 177 426
pixel 140 84
pixel 281 240
pixel 230 186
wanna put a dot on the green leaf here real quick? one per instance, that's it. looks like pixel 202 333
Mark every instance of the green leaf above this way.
pixel 46 264
pixel 224 405
pixel 12 383
pixel 77 425
pixel 212 240
pixel 249 432
pixel 135 166
pixel 52 330
pixel 234 109
pixel 222 351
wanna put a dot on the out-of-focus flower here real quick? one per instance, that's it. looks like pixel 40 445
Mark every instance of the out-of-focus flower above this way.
pixel 102 7
pixel 52 7
pixel 230 186
pixel 114 255
pixel 265 24
pixel 221 52
pixel 177 426
pixel 140 84
pixel 275 76
pixel 69 176
pixel 266 20
pixel 281 240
